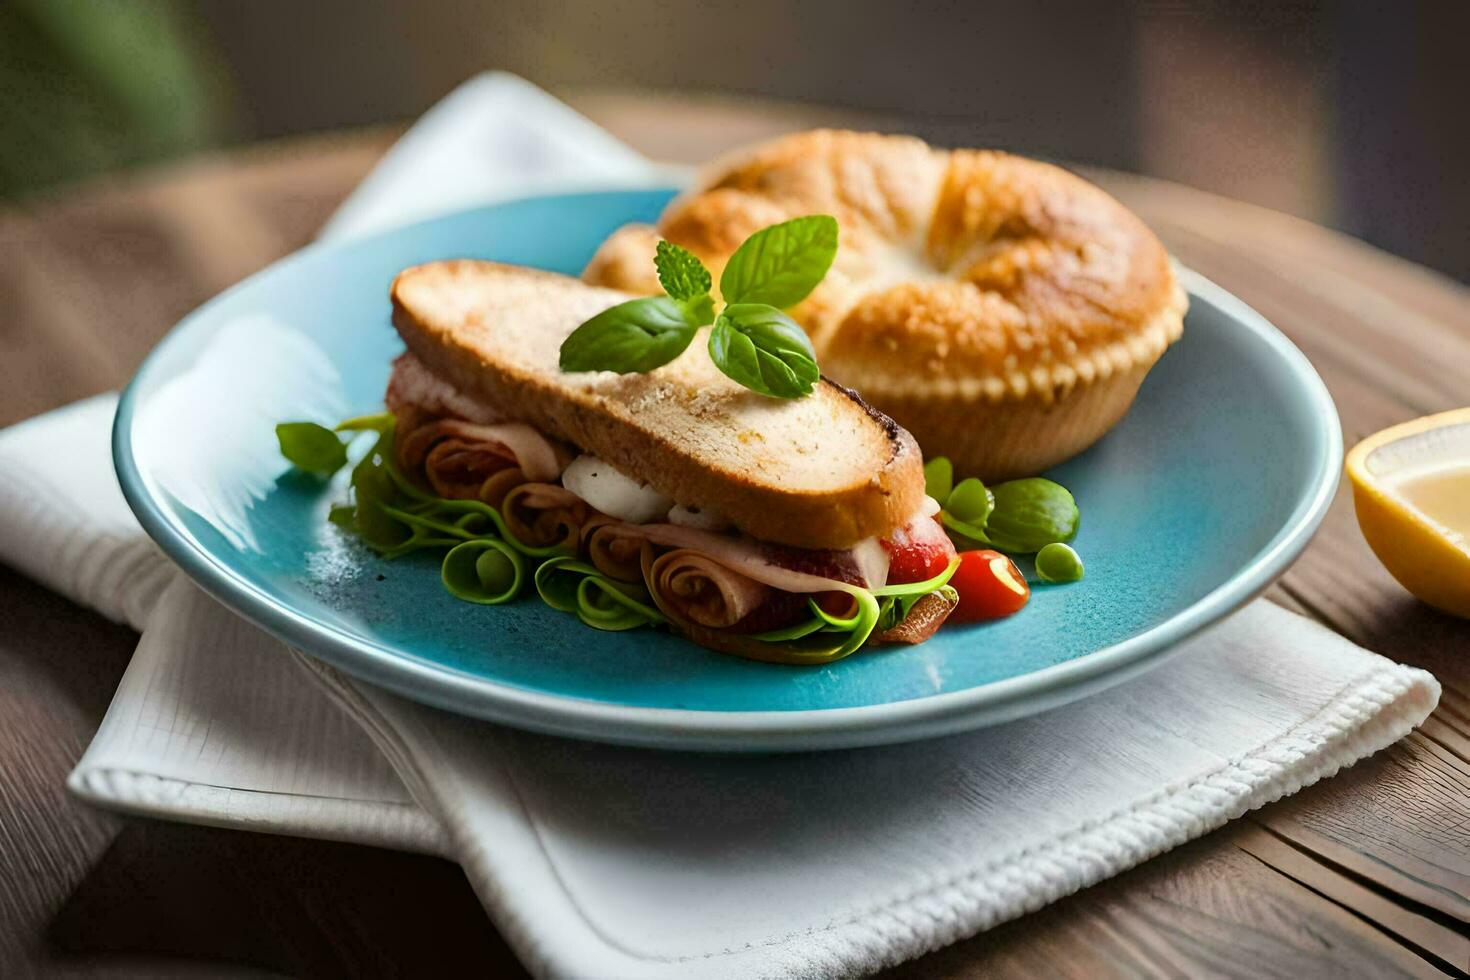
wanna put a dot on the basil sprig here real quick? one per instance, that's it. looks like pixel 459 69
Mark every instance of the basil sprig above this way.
pixel 752 341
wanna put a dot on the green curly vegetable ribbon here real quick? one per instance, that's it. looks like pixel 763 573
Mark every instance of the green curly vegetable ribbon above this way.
pixel 824 638
pixel 486 570
pixel 576 587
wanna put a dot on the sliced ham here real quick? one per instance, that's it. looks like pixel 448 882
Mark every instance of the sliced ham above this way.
pixel 499 485
pixel 614 548
pixel 788 569
pixel 544 515
pixel 412 385
pixel 516 442
pixel 872 561
pixel 701 590
pixel 459 470
pixel 463 460
pixel 767 564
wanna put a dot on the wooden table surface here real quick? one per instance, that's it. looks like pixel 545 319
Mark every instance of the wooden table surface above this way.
pixel 1366 874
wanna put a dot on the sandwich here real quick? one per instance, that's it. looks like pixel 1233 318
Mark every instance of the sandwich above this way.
pixel 780 529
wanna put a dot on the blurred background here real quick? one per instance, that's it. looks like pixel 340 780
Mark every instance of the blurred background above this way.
pixel 1349 114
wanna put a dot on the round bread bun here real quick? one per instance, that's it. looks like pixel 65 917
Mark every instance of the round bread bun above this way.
pixel 1004 311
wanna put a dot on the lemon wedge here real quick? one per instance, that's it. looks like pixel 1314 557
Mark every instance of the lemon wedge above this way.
pixel 1411 489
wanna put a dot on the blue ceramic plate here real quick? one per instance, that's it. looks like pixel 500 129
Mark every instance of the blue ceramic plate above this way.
pixel 1203 495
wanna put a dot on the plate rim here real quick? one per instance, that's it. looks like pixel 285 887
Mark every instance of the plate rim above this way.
pixel 708 730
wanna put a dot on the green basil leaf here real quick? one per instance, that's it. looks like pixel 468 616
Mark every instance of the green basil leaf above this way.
pixel 764 350
pixel 1031 514
pixel 311 447
pixel 680 272
pixel 632 337
pixel 782 264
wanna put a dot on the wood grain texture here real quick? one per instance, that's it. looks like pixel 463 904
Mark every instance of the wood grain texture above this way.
pixel 1364 875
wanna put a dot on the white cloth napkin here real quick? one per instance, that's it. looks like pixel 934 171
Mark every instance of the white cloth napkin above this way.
pixel 602 861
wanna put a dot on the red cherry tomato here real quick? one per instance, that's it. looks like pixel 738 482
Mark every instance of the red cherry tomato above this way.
pixel 917 552
pixel 990 586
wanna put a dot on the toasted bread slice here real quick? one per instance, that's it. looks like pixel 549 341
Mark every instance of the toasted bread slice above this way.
pixel 825 471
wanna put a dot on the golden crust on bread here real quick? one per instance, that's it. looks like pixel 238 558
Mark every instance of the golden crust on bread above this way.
pixel 1065 282
pixel 625 261
pixel 825 471
pixel 963 276
pixel 882 185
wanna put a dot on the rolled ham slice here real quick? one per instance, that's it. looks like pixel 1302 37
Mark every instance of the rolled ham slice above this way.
pixel 465 461
pixel 516 443
pixel 614 548
pixel 544 515
pixel 700 590
pixel 459 470
pixel 764 563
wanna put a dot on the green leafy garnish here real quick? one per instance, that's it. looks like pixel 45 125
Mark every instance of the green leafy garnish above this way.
pixel 917 590
pixel 753 342
pixel 967 508
pixel 780 265
pixel 373 491
pixel 1031 514
pixel 632 337
pixel 311 447
pixel 939 478
pixel 970 502
pixel 1019 516
pixel 680 272
pixel 763 349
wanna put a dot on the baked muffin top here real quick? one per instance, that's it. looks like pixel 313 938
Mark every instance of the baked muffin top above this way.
pixel 970 273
